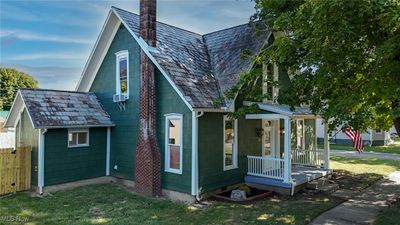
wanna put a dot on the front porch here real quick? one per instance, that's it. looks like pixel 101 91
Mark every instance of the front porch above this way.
pixel 288 159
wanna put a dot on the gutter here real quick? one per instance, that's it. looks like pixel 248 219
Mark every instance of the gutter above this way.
pixel 195 166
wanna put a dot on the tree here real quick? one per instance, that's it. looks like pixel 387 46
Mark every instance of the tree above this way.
pixel 10 80
pixel 345 57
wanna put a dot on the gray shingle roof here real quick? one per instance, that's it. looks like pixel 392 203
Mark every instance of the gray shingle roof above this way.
pixel 52 108
pixel 201 66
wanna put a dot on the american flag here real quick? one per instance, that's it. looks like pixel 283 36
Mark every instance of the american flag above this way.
pixel 355 136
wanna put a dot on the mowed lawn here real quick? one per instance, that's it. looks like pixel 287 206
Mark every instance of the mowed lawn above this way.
pixel 393 148
pixel 112 204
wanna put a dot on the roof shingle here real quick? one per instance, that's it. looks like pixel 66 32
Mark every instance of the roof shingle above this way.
pixel 53 108
pixel 201 66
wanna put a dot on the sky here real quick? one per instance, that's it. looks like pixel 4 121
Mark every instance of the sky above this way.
pixel 52 40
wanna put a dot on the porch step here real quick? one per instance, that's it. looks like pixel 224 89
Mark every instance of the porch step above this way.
pixel 317 184
pixel 329 188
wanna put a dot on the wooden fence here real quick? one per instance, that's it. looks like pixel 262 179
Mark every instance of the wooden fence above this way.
pixel 15 170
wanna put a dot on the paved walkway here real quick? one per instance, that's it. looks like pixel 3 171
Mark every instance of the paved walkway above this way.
pixel 378 155
pixel 365 206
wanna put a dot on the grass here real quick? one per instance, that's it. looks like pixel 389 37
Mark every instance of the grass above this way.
pixel 390 216
pixel 111 204
pixel 381 167
pixel 368 171
pixel 394 148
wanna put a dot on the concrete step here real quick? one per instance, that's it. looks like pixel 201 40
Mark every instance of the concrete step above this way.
pixel 329 188
pixel 317 184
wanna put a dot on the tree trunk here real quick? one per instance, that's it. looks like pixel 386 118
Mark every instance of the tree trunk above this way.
pixel 396 121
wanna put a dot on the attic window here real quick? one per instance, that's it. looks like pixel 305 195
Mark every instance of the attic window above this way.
pixel 122 73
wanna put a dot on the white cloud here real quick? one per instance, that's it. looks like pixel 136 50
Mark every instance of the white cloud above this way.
pixel 51 77
pixel 32 36
pixel 50 56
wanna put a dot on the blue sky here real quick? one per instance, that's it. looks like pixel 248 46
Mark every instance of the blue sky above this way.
pixel 51 40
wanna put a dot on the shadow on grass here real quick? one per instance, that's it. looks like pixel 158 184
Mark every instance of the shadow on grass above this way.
pixel 368 161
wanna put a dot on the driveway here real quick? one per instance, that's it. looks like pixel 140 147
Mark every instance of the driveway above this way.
pixel 377 155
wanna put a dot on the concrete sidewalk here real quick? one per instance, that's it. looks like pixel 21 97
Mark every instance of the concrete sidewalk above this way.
pixel 364 207
pixel 366 155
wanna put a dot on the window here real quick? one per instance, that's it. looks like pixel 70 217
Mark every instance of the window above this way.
pixel 78 138
pixel 230 143
pixel 122 73
pixel 173 143
pixel 270 78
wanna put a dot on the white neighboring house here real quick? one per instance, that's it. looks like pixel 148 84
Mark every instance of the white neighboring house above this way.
pixel 375 137
pixel 7 135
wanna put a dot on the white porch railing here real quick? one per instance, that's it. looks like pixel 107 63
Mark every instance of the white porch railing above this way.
pixel 308 157
pixel 265 167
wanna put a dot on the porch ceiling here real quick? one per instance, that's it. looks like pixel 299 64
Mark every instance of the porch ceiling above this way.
pixel 279 111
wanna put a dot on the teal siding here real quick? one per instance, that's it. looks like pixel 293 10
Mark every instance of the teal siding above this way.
pixel 29 138
pixel 125 134
pixel 170 102
pixel 63 164
pixel 211 173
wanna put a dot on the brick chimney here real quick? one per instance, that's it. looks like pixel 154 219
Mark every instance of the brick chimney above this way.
pixel 147 158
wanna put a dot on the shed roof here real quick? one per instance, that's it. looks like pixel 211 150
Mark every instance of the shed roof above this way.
pixel 59 109
pixel 201 66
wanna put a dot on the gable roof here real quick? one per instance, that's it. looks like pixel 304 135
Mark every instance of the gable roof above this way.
pixel 59 109
pixel 200 67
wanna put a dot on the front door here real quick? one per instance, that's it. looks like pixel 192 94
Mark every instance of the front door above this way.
pixel 270 139
pixel 267 146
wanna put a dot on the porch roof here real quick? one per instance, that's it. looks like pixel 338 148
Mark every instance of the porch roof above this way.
pixel 280 109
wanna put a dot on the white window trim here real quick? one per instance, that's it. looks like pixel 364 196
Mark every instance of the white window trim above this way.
pixel 118 56
pixel 235 149
pixel 169 117
pixel 78 131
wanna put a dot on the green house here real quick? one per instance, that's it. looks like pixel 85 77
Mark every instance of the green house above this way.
pixel 93 132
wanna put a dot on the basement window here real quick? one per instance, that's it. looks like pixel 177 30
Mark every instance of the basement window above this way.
pixel 173 143
pixel 230 143
pixel 122 73
pixel 78 138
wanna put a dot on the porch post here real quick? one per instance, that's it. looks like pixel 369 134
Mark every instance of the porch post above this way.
pixel 326 145
pixel 287 152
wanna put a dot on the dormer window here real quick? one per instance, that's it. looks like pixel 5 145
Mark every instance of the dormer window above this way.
pixel 122 74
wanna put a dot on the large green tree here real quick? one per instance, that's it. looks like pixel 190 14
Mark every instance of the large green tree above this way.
pixel 345 56
pixel 10 80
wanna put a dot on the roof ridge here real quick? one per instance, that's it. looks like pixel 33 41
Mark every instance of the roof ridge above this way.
pixel 44 89
pixel 228 28
pixel 160 22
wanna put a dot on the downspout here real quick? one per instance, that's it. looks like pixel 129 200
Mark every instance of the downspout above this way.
pixel 41 144
pixel 195 161
pixel 108 151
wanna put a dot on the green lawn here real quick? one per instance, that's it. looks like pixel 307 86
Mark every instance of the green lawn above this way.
pixel 368 171
pixel 390 216
pixel 111 204
pixel 363 166
pixel 395 148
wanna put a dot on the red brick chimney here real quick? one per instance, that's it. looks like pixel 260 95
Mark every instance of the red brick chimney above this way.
pixel 147 158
